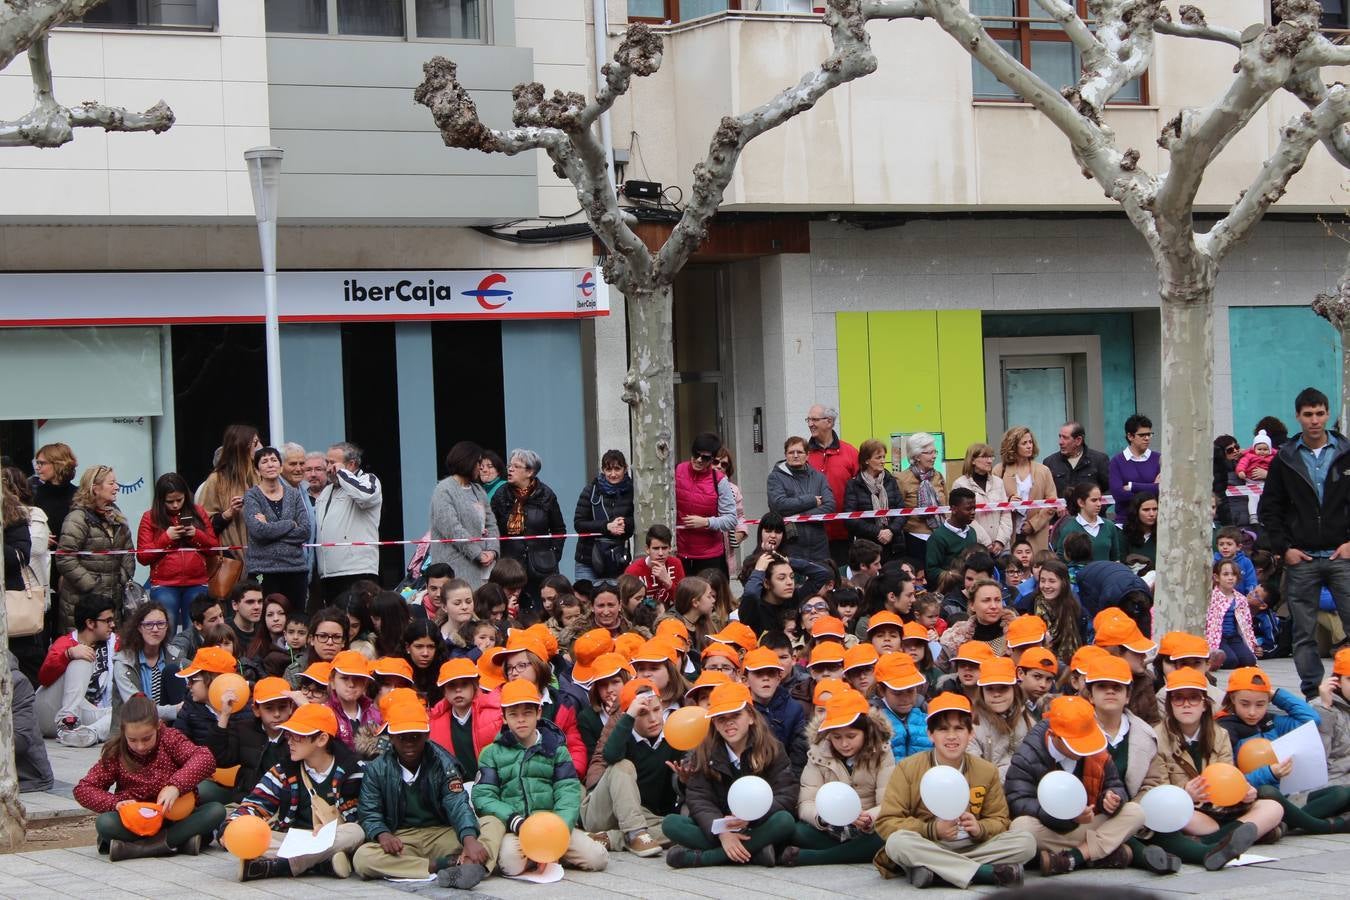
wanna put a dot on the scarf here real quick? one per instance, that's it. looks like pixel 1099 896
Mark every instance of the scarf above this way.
pixel 876 486
pixel 1064 637
pixel 613 490
pixel 515 521
pixel 927 494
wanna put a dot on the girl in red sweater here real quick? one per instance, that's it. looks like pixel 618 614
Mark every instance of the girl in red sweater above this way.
pixel 148 763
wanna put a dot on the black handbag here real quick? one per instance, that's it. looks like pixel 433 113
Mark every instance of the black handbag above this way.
pixel 609 557
pixel 541 562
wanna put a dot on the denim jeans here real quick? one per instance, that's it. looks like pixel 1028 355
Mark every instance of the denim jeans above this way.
pixel 1303 585
pixel 1237 653
pixel 178 601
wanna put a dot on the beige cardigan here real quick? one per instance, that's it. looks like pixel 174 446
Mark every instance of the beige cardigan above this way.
pixel 1042 488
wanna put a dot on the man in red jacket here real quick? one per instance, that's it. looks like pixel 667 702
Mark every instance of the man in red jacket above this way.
pixel 838 461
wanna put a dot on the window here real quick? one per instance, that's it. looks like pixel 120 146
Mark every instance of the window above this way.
pixel 1042 46
pixel 152 14
pixel 683 10
pixel 440 19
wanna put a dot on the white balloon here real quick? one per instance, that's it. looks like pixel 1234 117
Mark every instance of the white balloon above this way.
pixel 749 798
pixel 838 804
pixel 1167 808
pixel 945 792
pixel 1061 795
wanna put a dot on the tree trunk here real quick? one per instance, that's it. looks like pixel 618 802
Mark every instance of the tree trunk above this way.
pixel 12 820
pixel 649 390
pixel 1182 593
pixel 1344 421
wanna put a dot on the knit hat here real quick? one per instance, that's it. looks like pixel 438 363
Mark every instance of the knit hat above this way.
pixel 1073 721
pixel 1261 438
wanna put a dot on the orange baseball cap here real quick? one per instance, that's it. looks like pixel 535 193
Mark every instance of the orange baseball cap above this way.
pixel 707 680
pixel 628 643
pixel 216 660
pixel 519 693
pixel 1341 664
pixel 973 652
pixel 675 631
pixel 737 633
pixel 607 665
pixel 828 653
pixel 1108 668
pixel 269 689
pixel 1073 721
pixel 843 709
pixel 1025 630
pixel 319 671
pixel 1250 678
pixel 828 625
pixel 949 701
pixel 826 688
pixel 1119 630
pixel 590 645
pixel 311 719
pixel 1183 645
pixel 998 670
pixel 656 650
pixel 1083 655
pixel 1186 679
pixel 545 637
pixel 728 698
pixel 884 618
pixel 392 667
pixel 912 631
pixel 352 664
pixel 762 658
pixel 726 651
pixel 396 696
pixel 455 669
pixel 1039 658
pixel 520 642
pixel 407 718
pixel 860 657
pixel 490 676
pixel 632 689
pixel 898 672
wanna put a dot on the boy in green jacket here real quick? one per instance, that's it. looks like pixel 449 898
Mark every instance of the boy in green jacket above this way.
pixel 416 812
pixel 528 768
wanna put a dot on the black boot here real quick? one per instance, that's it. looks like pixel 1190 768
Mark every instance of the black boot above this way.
pixel 1234 844
pixel 463 877
pixel 264 867
pixel 156 845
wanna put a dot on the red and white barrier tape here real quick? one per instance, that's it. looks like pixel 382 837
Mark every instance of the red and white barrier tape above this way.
pixel 1244 490
pixel 478 540
pixel 1005 506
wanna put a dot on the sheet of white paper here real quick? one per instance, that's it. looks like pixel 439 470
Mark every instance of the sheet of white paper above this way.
pixel 1249 859
pixel 719 826
pixel 411 880
pixel 303 842
pixel 552 872
pixel 1304 744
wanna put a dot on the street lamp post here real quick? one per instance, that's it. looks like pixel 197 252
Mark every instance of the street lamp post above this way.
pixel 264 176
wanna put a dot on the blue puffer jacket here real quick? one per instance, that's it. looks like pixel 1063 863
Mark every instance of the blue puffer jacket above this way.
pixel 787 720
pixel 910 734
pixel 1296 712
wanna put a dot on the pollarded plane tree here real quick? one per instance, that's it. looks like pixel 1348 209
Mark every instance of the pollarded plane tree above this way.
pixel 563 125
pixel 24 26
pixel 1116 43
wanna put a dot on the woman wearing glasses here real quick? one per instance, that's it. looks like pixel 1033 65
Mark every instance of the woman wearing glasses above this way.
pixel 705 507
pixel 146 664
pixel 327 638
pixel 1232 510
pixel 94 525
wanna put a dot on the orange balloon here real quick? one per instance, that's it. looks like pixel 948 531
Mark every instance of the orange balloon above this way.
pixel 1226 785
pixel 247 837
pixel 229 682
pixel 226 777
pixel 544 837
pixel 182 808
pixel 141 819
pixel 687 727
pixel 1256 753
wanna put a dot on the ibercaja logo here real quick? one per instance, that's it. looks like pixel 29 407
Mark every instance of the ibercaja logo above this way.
pixel 491 293
pixel 586 292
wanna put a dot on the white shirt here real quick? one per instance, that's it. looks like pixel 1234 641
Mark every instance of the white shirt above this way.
pixel 656 743
pixel 1120 735
pixel 959 532
pixel 408 777
pixel 1065 762
pixel 1090 527
pixel 731 754
pixel 1129 454
pixel 315 775
pixel 464 721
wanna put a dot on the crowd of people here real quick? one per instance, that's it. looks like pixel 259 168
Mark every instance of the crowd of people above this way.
pixel 258 673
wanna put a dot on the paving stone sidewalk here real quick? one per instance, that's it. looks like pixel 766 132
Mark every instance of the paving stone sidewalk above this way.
pixel 1305 866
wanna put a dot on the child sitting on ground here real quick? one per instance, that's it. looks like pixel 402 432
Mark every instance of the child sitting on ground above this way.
pixel 1228 621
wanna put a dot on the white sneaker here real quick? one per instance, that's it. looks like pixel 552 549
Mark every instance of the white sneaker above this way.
pixel 80 736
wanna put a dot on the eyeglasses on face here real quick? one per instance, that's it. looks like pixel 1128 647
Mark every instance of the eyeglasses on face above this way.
pixel 327 638
pixel 106 621
pixel 704 457
pixel 154 626
pixel 517 667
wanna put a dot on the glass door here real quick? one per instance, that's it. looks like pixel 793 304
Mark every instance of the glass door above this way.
pixel 1038 393
pixel 698 357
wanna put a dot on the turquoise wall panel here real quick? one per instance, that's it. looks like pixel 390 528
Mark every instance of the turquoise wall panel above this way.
pixel 1277 352
pixel 311 385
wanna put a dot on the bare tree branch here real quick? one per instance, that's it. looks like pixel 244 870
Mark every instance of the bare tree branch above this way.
pixel 1297 139
pixel 25 22
pixel 1193 25
pixel 49 124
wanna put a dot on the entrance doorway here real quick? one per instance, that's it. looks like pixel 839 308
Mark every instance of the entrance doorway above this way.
pixel 697 331
pixel 1042 383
